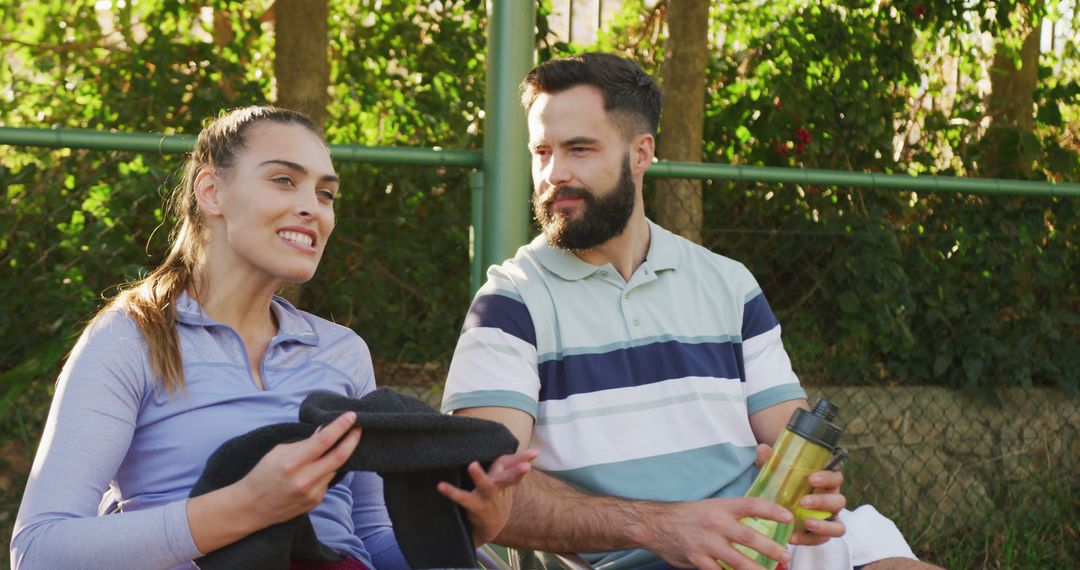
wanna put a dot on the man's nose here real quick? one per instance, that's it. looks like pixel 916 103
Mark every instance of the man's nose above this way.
pixel 557 172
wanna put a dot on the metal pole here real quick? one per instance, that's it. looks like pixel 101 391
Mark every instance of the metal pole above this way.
pixel 511 30
pixel 96 140
pixel 168 144
pixel 476 267
pixel 813 176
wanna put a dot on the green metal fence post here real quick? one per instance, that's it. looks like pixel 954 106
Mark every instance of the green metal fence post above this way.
pixel 476 229
pixel 505 226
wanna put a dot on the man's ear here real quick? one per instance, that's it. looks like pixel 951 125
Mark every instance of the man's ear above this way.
pixel 642 153
pixel 208 192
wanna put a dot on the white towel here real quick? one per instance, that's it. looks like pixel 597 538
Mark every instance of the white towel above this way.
pixel 869 536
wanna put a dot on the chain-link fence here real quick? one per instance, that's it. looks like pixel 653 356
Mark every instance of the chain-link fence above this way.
pixel 945 326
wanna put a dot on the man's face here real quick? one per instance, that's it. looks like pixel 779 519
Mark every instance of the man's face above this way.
pixel 583 187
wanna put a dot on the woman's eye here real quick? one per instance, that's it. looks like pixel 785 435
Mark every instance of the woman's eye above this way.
pixel 284 180
pixel 326 195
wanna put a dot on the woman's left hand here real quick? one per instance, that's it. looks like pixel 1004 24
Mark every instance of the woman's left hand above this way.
pixel 489 503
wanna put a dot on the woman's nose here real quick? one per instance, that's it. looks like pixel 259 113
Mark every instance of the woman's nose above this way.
pixel 308 207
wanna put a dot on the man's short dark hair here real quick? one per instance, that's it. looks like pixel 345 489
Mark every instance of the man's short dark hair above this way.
pixel 631 96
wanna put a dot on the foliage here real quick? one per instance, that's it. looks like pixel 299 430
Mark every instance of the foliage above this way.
pixel 961 290
pixel 897 283
pixel 77 222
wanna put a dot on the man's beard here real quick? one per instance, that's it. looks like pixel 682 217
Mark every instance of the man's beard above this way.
pixel 601 219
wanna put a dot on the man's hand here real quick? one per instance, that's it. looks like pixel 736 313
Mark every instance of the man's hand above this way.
pixel 489 504
pixel 700 533
pixel 826 497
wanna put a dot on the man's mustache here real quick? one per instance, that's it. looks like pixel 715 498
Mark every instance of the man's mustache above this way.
pixel 568 192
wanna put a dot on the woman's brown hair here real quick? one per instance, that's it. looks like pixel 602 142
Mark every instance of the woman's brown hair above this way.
pixel 151 301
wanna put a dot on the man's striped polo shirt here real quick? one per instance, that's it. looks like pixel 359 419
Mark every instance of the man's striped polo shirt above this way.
pixel 640 389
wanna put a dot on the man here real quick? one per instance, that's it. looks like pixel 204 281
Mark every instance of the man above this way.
pixel 644 368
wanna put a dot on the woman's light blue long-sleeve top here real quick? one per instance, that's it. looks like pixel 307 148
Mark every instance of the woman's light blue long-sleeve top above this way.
pixel 113 431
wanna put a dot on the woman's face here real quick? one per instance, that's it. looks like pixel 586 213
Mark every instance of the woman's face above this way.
pixel 277 204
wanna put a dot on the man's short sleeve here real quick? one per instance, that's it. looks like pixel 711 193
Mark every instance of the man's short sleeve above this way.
pixel 769 377
pixel 495 362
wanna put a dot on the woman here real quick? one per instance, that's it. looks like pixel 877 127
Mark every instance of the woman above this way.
pixel 200 351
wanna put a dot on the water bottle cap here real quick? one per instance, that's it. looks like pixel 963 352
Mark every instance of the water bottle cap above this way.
pixel 816 425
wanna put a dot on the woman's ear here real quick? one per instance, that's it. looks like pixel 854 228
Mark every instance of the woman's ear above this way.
pixel 208 192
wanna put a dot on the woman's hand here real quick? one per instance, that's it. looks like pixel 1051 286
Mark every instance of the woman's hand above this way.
pixel 288 481
pixel 488 505
pixel 293 478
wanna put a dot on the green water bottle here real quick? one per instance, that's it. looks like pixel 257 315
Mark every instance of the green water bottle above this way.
pixel 803 448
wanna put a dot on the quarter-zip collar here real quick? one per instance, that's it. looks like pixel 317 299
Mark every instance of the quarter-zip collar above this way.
pixel 292 326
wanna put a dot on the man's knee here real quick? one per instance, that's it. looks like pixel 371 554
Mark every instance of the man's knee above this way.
pixel 899 564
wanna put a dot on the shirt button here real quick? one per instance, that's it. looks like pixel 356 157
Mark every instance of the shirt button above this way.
pixel 637 322
pixel 603 274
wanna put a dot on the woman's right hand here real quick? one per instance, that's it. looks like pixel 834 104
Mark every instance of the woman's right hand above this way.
pixel 288 481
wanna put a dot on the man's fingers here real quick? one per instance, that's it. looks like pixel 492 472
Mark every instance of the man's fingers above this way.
pixel 827 481
pixel 735 559
pixel 761 508
pixel 828 502
pixel 750 535
pixel 827 528
pixel 820 532
pixel 762 454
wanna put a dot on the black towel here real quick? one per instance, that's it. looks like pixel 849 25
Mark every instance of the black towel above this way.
pixel 405 441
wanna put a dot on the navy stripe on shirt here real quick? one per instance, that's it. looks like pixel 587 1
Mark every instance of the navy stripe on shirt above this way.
pixel 501 312
pixel 638 366
pixel 757 317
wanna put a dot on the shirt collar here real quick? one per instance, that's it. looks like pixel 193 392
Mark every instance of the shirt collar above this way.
pixel 663 254
pixel 292 326
pixel 663 248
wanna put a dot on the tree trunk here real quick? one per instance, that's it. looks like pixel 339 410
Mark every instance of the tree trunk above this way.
pixel 301 56
pixel 678 204
pixel 1011 103
pixel 302 70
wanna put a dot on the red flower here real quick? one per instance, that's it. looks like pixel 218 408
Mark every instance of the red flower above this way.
pixel 780 147
pixel 803 136
pixel 919 10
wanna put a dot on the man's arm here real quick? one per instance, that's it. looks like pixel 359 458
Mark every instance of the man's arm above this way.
pixel 553 516
pixel 767 424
